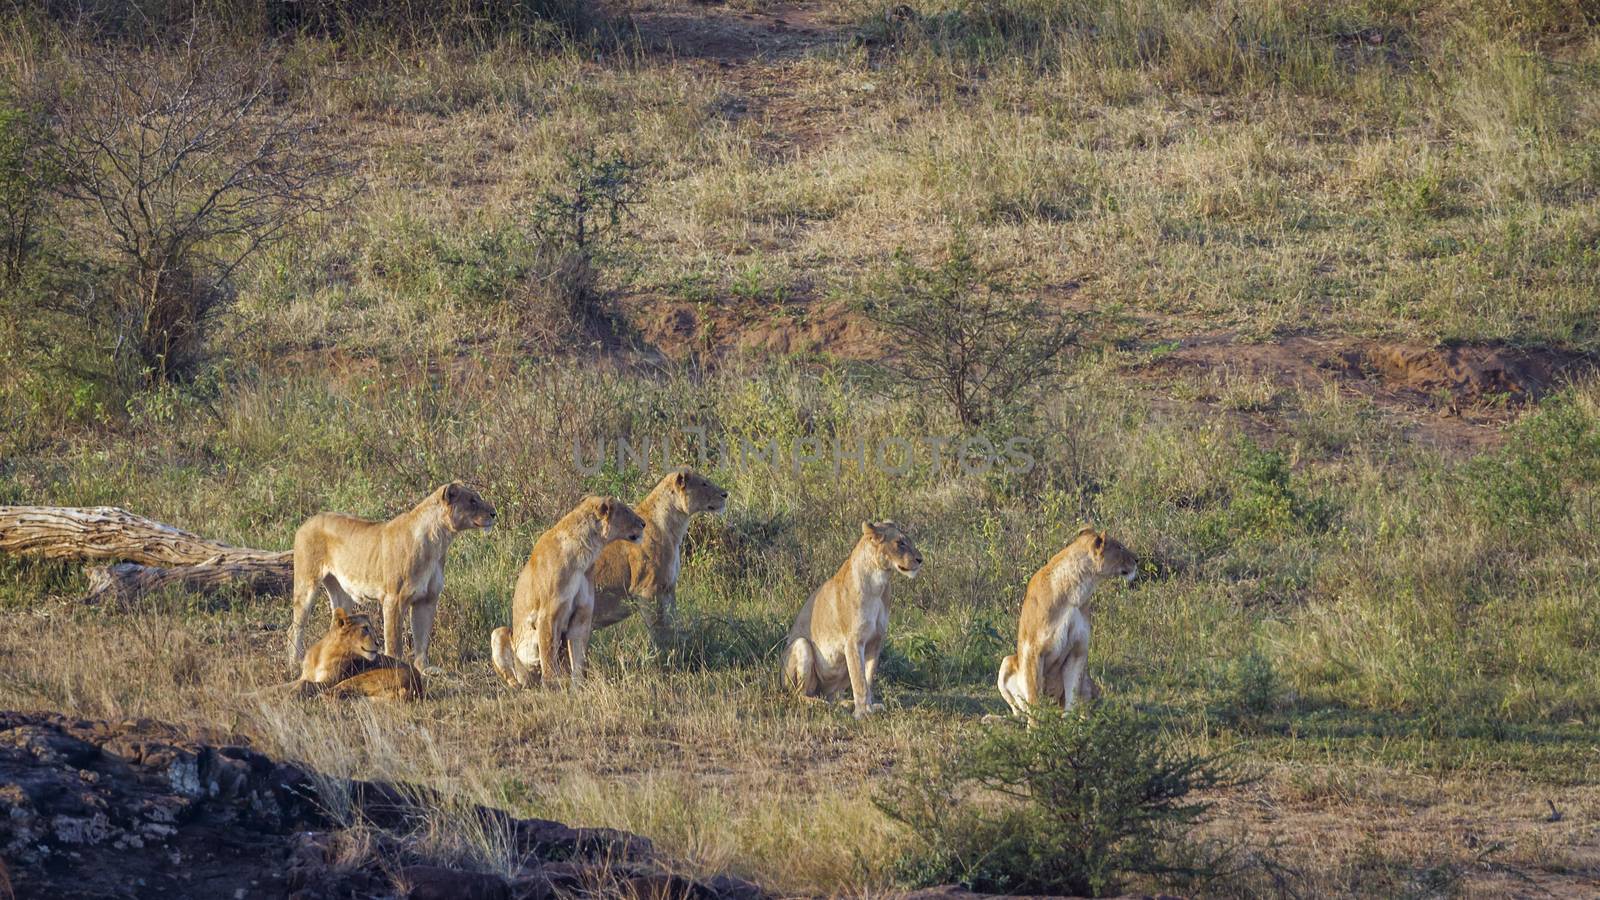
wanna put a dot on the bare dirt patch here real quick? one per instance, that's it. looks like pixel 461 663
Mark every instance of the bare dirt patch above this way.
pixel 727 35
pixel 1456 396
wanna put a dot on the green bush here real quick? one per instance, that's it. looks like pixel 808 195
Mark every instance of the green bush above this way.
pixel 577 225
pixel 1074 805
pixel 1251 689
pixel 406 20
pixel 966 332
pixel 1553 454
pixel 1264 503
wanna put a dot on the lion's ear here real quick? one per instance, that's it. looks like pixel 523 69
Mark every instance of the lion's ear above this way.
pixel 1100 541
pixel 452 491
pixel 607 507
pixel 681 480
pixel 866 529
pixel 340 617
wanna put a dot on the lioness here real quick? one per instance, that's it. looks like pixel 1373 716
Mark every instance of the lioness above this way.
pixel 1053 634
pixel 553 606
pixel 348 649
pixel 350 641
pixel 836 638
pixel 399 563
pixel 648 570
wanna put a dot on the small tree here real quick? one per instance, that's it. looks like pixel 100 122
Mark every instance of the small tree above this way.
pixel 965 331
pixel 1071 805
pixel 576 223
pixel 183 168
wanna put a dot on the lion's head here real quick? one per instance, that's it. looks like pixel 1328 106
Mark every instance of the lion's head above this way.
pixel 354 634
pixel 1111 559
pixel 698 493
pixel 618 521
pixel 466 508
pixel 894 549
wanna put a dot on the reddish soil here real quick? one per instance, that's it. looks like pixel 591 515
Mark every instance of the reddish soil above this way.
pixel 1456 396
pixel 730 36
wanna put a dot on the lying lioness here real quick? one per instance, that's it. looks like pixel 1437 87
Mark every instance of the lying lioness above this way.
pixel 345 662
pixel 553 607
pixel 1053 634
pixel 399 563
pixel 836 638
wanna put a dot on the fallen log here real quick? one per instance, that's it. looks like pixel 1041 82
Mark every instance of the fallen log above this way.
pixel 150 555
pixel 122 582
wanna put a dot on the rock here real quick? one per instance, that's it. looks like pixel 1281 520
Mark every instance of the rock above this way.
pixel 146 809
pixel 439 883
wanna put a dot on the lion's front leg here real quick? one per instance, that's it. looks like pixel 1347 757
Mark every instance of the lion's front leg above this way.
pixel 393 607
pixel 663 623
pixel 578 630
pixel 422 613
pixel 870 657
pixel 1076 665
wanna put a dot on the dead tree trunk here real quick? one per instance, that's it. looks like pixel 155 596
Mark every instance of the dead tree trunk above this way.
pixel 125 581
pixel 152 555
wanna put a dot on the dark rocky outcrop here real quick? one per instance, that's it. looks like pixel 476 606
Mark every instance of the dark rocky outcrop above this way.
pixel 95 809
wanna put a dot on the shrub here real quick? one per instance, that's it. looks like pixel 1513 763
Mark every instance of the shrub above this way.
pixel 180 165
pixel 1264 504
pixel 964 331
pixel 405 20
pixel 576 225
pixel 1073 805
pixel 1552 456
pixel 1251 689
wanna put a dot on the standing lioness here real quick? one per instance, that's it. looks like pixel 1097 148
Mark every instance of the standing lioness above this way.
pixel 1053 634
pixel 836 638
pixel 648 570
pixel 399 563
pixel 553 607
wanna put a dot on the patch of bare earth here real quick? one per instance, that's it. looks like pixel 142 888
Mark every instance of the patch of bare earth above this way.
pixel 1455 397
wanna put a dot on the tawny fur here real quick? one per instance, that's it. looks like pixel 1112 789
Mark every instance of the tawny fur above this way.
pixel 1010 684
pixel 350 641
pixel 349 648
pixel 1053 633
pixel 399 682
pixel 648 570
pixel 836 639
pixel 398 563
pixel 552 610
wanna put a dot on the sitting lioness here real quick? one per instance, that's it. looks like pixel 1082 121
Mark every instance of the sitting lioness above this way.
pixel 648 570
pixel 553 607
pixel 399 563
pixel 1053 634
pixel 835 640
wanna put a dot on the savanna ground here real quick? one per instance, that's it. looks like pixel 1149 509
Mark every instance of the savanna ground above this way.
pixel 1379 601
